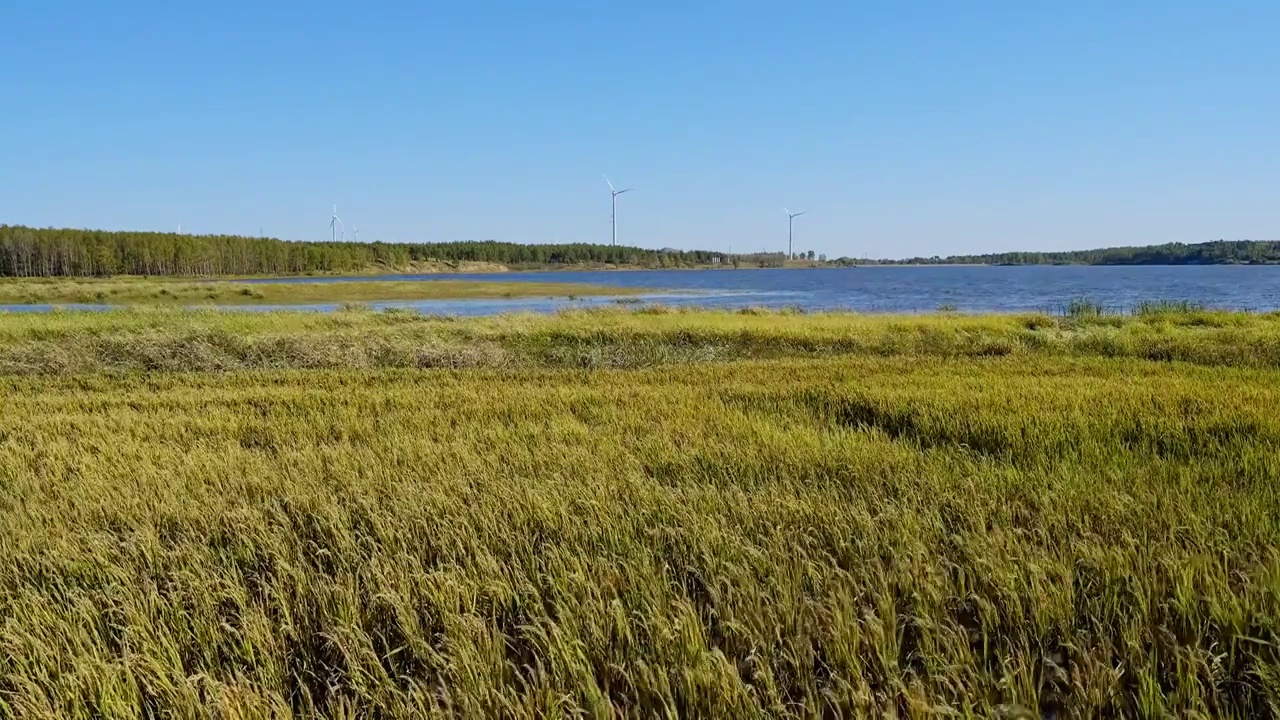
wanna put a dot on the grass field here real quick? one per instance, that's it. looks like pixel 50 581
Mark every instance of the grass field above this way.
pixel 165 291
pixel 146 338
pixel 639 513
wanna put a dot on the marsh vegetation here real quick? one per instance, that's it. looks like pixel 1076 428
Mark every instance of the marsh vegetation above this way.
pixel 171 291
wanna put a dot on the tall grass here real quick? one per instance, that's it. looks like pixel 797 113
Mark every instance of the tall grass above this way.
pixel 855 517
pixel 1168 307
pixel 171 340
pixel 1084 308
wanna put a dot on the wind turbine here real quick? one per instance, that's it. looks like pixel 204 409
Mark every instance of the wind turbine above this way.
pixel 790 217
pixel 335 223
pixel 355 234
pixel 613 217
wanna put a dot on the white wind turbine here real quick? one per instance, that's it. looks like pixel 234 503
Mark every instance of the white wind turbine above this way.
pixel 790 217
pixel 335 224
pixel 613 217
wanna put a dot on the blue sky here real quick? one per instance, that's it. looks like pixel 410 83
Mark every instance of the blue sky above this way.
pixel 905 128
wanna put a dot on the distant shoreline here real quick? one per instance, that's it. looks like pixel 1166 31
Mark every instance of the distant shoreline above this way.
pixel 568 270
pixel 66 252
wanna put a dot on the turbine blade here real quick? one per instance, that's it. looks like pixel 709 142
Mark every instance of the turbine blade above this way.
pixel 624 191
pixel 611 187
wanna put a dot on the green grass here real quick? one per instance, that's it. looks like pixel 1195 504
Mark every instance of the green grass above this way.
pixel 1168 307
pixel 639 513
pixel 144 291
pixel 1084 308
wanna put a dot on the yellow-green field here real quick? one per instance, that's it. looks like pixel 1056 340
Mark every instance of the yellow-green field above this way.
pixel 638 514
pixel 166 291
pixel 147 338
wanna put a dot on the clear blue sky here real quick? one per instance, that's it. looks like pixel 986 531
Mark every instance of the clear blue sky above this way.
pixel 906 128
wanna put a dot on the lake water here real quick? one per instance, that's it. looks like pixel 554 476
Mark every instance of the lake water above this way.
pixel 894 289
pixel 869 289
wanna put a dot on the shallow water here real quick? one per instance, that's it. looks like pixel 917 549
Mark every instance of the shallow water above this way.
pixel 870 289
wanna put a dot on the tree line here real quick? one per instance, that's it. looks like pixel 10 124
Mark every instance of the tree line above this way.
pixel 48 252
pixel 1218 252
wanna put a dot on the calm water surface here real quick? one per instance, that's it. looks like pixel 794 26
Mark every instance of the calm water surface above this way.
pixel 869 289
pixel 894 289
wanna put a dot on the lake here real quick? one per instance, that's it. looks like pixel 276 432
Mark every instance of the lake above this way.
pixel 870 289
pixel 892 289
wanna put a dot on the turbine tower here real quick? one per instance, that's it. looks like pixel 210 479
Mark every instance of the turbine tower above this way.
pixel 790 217
pixel 334 224
pixel 613 217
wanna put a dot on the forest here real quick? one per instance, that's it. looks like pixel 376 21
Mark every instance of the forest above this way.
pixel 1218 252
pixel 33 252
pixel 49 252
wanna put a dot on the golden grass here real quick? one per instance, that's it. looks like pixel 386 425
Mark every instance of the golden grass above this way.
pixel 848 516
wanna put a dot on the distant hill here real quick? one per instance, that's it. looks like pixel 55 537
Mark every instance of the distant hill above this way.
pixel 1220 252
